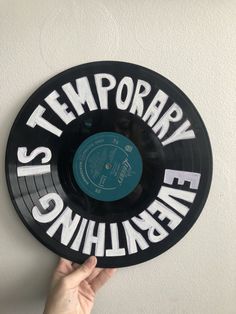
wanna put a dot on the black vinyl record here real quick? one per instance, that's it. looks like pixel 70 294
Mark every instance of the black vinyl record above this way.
pixel 108 159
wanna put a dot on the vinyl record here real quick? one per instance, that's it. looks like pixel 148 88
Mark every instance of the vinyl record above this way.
pixel 108 159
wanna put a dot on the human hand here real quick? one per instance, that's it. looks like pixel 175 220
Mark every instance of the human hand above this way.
pixel 74 286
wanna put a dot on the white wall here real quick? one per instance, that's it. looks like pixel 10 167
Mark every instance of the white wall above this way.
pixel 193 44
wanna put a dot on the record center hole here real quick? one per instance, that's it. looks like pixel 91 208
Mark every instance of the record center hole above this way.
pixel 108 165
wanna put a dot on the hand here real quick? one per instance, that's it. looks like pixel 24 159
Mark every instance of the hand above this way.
pixel 74 287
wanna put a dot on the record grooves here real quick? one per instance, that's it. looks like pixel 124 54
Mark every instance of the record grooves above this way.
pixel 108 159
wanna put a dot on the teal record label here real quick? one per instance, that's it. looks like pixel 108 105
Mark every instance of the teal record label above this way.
pixel 107 166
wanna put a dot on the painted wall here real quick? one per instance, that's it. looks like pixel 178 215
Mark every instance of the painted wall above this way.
pixel 193 44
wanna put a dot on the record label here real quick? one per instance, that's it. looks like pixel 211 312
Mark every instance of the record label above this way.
pixel 108 159
pixel 107 166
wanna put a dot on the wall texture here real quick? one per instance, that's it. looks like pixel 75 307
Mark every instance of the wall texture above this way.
pixel 193 44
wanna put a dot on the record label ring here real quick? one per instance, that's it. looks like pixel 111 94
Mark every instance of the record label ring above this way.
pixel 108 159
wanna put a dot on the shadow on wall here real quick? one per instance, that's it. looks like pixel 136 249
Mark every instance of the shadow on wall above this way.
pixel 26 271
pixel 25 286
pixel 26 292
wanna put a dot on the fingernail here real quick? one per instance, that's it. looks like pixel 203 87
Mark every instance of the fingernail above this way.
pixel 91 261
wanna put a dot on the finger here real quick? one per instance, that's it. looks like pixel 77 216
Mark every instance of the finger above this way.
pixel 94 274
pixel 64 262
pixel 62 269
pixel 75 266
pixel 63 266
pixel 102 278
pixel 82 272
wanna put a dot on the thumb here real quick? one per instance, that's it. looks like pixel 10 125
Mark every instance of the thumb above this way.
pixel 82 272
